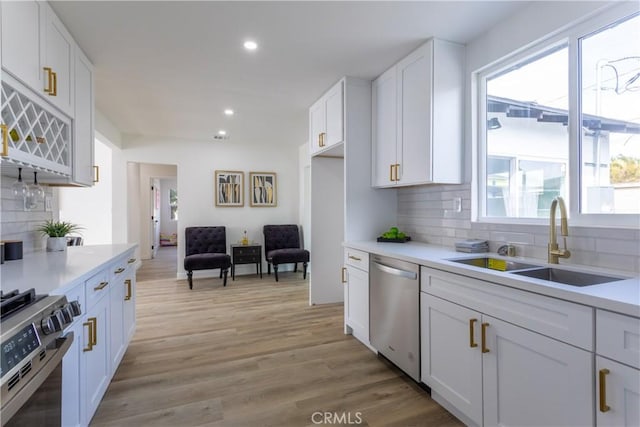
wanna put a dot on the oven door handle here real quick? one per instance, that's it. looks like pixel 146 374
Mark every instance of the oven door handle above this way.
pixel 10 408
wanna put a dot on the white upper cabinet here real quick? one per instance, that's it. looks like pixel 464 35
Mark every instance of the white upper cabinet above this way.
pixel 21 35
pixel 83 134
pixel 39 51
pixel 59 58
pixel 326 120
pixel 417 118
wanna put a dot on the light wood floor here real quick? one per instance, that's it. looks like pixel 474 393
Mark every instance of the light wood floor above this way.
pixel 252 354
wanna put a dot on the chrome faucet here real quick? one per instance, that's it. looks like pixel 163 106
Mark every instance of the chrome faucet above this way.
pixel 554 252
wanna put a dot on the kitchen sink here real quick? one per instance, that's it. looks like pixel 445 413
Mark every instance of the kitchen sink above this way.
pixel 495 263
pixel 567 277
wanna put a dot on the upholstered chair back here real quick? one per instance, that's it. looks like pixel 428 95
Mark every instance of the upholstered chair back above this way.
pixel 281 237
pixel 203 240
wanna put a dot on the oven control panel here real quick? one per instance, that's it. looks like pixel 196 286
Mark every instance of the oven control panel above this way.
pixel 19 347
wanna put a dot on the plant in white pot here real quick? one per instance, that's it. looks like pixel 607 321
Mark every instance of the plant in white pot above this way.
pixel 57 232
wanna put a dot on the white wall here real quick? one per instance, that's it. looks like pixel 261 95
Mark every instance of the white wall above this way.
pixel 91 207
pixel 196 162
pixel 304 188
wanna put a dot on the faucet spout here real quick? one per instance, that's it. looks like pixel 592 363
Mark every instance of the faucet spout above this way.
pixel 554 251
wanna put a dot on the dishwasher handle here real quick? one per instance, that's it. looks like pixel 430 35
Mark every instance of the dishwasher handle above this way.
pixel 395 271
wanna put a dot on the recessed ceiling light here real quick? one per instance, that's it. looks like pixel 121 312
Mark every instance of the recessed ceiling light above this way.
pixel 228 112
pixel 222 132
pixel 250 45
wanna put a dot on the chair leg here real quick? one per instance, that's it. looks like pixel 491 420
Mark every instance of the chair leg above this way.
pixel 221 273
pixel 268 268
pixel 304 270
pixel 224 281
pixel 275 271
pixel 190 277
pixel 295 267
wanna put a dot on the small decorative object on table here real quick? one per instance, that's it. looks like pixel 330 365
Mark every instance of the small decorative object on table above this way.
pixel 245 239
pixel 394 235
pixel 57 232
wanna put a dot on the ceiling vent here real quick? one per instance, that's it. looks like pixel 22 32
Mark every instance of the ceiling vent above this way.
pixel 220 137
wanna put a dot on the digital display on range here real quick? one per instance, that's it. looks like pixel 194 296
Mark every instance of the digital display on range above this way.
pixel 18 347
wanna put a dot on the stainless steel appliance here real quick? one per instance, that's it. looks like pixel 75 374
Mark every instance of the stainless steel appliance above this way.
pixel 32 347
pixel 394 325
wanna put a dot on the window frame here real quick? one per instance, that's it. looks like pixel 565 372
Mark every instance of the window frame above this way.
pixel 571 38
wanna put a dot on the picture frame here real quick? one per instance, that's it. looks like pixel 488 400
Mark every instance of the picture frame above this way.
pixel 229 188
pixel 263 189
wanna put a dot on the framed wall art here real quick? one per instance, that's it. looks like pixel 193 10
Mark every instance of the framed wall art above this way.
pixel 229 188
pixel 262 189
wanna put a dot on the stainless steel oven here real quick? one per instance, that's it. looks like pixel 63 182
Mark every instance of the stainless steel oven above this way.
pixel 31 352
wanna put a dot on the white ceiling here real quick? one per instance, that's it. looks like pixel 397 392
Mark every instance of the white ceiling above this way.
pixel 168 69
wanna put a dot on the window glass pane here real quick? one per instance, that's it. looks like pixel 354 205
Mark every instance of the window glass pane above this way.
pixel 527 140
pixel 610 112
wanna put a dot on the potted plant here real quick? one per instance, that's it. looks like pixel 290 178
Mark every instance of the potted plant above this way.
pixel 57 232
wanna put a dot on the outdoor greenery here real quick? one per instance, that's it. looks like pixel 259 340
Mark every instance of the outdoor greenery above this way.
pixel 625 169
pixel 57 228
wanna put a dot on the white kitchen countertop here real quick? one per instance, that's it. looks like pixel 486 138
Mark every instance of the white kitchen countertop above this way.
pixel 620 296
pixel 53 272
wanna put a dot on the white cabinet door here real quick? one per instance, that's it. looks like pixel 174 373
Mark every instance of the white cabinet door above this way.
pixel 116 322
pixel 316 126
pixel 357 301
pixel 96 357
pixel 414 80
pixel 384 129
pixel 451 360
pixel 71 385
pixel 59 56
pixel 83 123
pixel 530 379
pixel 129 314
pixel 619 405
pixel 21 36
pixel 333 103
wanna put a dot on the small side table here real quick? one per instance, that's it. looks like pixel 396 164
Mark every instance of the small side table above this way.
pixel 246 254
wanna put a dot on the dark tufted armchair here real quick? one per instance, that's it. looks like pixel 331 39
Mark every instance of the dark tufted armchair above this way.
pixel 206 249
pixel 282 246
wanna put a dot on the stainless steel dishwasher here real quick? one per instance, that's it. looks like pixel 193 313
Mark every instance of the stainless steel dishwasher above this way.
pixel 394 324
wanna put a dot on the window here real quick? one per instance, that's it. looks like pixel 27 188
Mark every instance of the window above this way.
pixel 173 204
pixel 530 146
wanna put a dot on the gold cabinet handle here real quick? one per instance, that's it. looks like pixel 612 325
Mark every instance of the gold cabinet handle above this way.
pixel 321 139
pixel 131 261
pixel 92 323
pixel 5 140
pixel 397 168
pixel 96 174
pixel 391 173
pixel 484 337
pixel 55 84
pixel 344 274
pixel 128 285
pixel 101 286
pixel 95 330
pixel 120 270
pixel 472 343
pixel 603 390
pixel 355 258
pixel 49 88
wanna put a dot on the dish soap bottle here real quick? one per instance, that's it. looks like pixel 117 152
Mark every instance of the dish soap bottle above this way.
pixel 245 239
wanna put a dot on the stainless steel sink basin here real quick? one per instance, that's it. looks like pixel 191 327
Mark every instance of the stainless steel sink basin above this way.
pixel 567 277
pixel 495 263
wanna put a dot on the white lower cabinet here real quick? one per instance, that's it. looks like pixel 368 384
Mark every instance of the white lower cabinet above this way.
pixel 129 308
pixel 488 371
pixel 617 394
pixel 71 384
pixel 356 294
pixel 97 360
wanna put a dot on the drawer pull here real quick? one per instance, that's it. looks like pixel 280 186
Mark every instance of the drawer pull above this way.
pixel 344 275
pixel 603 390
pixel 120 270
pixel 101 286
pixel 128 285
pixel 5 140
pixel 355 258
pixel 131 261
pixel 483 330
pixel 472 343
pixel 89 346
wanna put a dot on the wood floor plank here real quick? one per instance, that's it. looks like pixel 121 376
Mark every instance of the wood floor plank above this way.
pixel 253 353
